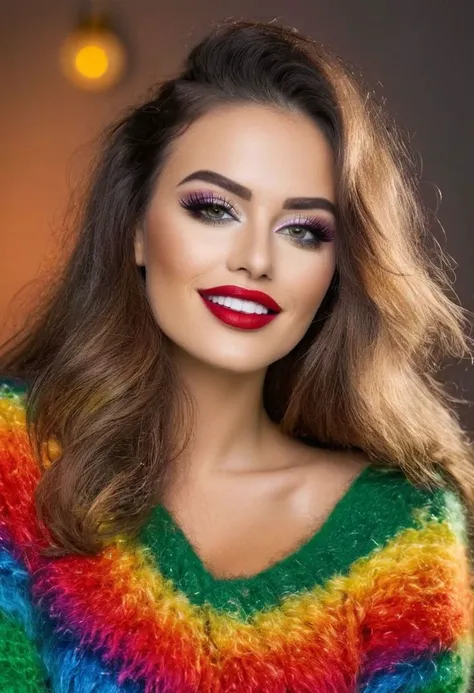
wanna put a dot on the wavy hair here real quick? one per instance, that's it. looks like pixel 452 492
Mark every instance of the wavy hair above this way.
pixel 101 382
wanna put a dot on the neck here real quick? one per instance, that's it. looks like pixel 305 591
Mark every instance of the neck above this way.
pixel 232 430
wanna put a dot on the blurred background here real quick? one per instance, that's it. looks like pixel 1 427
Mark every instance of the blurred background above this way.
pixel 417 54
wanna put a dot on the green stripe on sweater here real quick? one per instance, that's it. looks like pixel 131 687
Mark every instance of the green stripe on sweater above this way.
pixel 21 670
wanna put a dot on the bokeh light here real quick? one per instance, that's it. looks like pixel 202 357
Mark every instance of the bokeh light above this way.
pixel 93 59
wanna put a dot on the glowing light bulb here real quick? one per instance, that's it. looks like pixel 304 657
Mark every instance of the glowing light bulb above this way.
pixel 92 61
pixel 93 57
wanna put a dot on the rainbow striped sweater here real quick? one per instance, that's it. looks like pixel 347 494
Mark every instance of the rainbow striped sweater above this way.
pixel 378 600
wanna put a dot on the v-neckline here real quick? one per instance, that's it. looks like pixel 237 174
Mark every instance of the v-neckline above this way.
pixel 313 560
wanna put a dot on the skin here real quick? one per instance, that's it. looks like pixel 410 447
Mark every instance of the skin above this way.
pixel 246 495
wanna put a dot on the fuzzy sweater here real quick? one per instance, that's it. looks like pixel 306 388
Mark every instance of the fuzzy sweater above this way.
pixel 378 600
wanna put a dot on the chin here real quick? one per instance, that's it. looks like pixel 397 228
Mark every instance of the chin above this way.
pixel 228 362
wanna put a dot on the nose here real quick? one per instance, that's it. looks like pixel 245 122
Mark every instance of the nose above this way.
pixel 252 250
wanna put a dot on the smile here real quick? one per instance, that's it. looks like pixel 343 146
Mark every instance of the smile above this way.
pixel 247 315
pixel 239 305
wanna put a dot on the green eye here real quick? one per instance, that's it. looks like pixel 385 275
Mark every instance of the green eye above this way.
pixel 208 209
pixel 215 211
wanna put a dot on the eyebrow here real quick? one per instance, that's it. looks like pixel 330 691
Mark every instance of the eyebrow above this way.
pixel 246 194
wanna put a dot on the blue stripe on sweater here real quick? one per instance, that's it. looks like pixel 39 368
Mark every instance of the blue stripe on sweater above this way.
pixel 69 668
pixel 416 675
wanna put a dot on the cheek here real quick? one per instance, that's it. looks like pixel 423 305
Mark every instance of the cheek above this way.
pixel 166 271
pixel 171 259
pixel 177 258
pixel 311 284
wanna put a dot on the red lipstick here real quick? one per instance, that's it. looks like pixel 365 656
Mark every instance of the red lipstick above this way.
pixel 235 318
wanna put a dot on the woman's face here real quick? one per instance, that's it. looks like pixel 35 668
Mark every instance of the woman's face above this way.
pixel 236 225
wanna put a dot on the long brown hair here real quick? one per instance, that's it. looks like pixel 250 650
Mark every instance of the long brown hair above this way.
pixel 100 379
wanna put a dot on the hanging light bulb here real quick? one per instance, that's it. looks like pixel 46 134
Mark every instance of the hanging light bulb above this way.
pixel 93 57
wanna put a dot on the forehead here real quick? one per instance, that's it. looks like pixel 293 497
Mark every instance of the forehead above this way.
pixel 258 146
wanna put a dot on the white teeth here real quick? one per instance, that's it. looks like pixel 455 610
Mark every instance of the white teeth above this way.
pixel 239 305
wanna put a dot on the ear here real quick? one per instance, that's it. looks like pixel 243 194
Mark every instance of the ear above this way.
pixel 139 245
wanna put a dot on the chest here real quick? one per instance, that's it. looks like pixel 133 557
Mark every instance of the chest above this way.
pixel 149 617
pixel 241 525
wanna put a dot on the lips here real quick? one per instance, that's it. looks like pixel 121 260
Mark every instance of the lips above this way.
pixel 244 294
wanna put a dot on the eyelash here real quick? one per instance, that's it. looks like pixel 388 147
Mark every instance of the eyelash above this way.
pixel 195 203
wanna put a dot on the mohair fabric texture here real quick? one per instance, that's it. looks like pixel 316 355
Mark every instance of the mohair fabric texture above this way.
pixel 376 601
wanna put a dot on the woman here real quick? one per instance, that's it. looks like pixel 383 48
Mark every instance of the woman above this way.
pixel 225 462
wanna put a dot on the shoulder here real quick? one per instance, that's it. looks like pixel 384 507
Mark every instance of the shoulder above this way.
pixel 19 470
pixel 414 585
pixel 13 395
pixel 434 509
pixel 420 543
pixel 383 498
pixel 398 509
pixel 20 664
pixel 13 392
pixel 17 462
pixel 396 526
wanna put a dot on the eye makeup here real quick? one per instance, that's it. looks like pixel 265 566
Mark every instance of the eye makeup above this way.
pixel 197 202
pixel 207 207
pixel 318 231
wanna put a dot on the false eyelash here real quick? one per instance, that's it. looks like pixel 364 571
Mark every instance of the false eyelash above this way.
pixel 321 231
pixel 195 200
